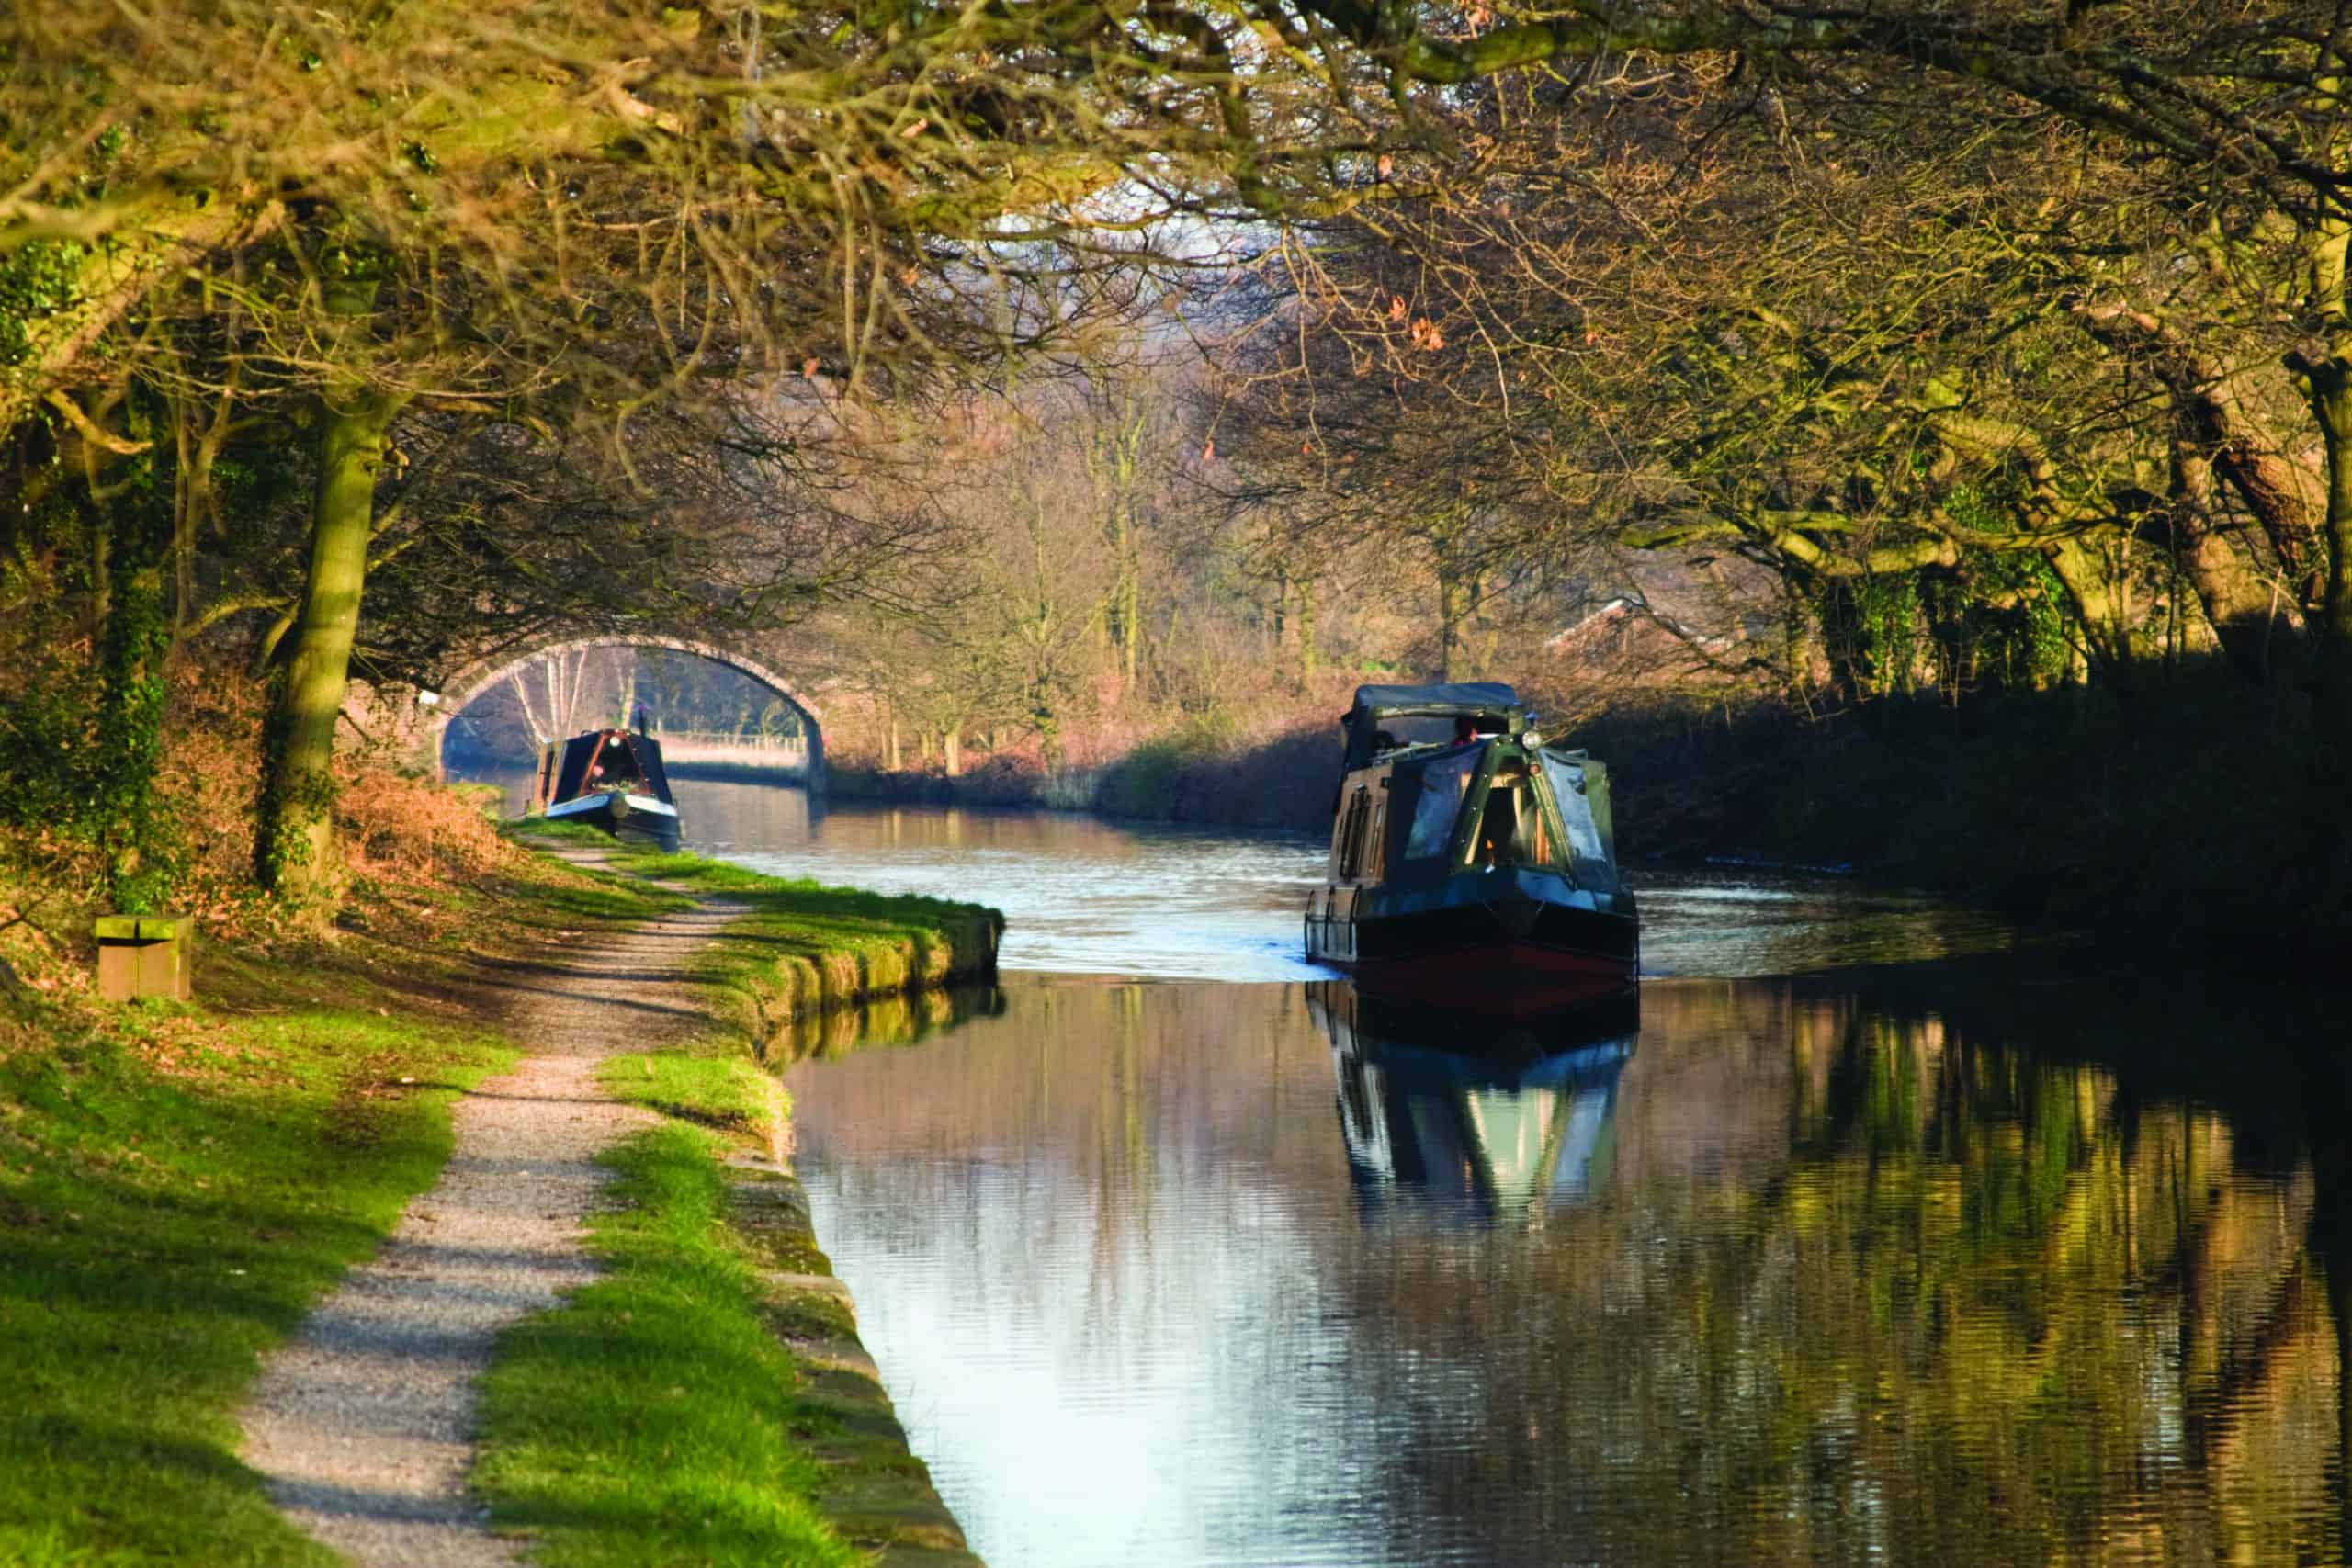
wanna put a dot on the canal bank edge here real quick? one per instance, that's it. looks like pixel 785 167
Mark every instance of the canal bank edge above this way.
pixel 878 1493
pixel 840 949
pixel 801 950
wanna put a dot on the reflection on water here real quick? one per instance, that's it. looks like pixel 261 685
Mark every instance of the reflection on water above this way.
pixel 1523 1121
pixel 1936 1266
pixel 882 1021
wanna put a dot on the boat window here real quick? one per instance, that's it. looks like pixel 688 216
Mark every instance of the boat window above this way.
pixel 1511 830
pixel 615 768
pixel 1575 808
pixel 1443 782
pixel 1351 835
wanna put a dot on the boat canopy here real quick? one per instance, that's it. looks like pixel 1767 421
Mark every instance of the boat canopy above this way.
pixel 1489 701
pixel 603 760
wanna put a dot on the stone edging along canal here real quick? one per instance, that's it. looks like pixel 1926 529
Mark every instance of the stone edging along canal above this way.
pixel 877 1495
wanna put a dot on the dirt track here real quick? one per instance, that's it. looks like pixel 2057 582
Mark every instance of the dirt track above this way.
pixel 364 1422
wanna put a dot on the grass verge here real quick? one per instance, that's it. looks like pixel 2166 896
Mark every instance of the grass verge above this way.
pixel 652 1418
pixel 179 1183
pixel 704 1401
pixel 801 949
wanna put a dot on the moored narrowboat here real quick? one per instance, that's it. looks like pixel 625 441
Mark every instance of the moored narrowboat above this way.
pixel 1470 862
pixel 610 779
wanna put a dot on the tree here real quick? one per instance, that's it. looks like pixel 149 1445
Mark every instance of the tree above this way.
pixel 550 224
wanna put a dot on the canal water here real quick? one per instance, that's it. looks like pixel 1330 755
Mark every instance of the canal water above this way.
pixel 1869 1239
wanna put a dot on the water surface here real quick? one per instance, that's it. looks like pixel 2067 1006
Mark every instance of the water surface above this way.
pixel 1867 1240
pixel 1811 1271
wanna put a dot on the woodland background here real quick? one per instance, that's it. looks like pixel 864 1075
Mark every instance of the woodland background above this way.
pixel 1915 434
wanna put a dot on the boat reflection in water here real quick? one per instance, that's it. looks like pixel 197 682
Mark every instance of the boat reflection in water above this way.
pixel 1472 1116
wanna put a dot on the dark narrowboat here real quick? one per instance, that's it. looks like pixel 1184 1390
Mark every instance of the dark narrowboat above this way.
pixel 610 779
pixel 1471 864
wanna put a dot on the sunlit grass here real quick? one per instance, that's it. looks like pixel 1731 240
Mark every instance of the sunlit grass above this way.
pixel 178 1186
pixel 801 947
pixel 721 1089
pixel 651 1418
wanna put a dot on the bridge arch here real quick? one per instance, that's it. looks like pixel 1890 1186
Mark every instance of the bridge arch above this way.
pixel 476 679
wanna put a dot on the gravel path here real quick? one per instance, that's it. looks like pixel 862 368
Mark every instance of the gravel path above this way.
pixel 363 1423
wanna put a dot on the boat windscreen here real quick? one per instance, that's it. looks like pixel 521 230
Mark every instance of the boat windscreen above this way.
pixel 1511 829
pixel 1584 840
pixel 1444 781
pixel 616 765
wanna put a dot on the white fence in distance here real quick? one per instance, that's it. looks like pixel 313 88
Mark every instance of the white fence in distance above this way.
pixel 784 753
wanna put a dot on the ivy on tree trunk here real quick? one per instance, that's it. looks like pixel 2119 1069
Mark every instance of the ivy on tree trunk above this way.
pixel 294 847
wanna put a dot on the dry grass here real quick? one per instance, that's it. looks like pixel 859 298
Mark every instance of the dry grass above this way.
pixel 406 843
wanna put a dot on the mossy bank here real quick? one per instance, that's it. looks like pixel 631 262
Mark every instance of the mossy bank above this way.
pixel 708 1401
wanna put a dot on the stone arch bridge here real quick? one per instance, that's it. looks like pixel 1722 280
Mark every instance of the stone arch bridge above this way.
pixel 472 680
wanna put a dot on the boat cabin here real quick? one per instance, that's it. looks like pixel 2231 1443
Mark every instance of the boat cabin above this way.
pixel 1449 800
pixel 602 762
pixel 610 778
pixel 1483 793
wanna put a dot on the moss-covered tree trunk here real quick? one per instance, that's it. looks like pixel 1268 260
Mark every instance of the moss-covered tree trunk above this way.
pixel 133 645
pixel 294 846
pixel 2095 600
pixel 2330 382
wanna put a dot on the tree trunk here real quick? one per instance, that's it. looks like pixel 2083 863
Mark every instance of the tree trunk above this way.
pixel 2101 610
pixel 2211 412
pixel 294 846
pixel 1130 603
pixel 897 758
pixel 541 733
pixel 951 749
pixel 1307 649
pixel 2331 395
pixel 2241 607
pixel 1448 610
pixel 134 644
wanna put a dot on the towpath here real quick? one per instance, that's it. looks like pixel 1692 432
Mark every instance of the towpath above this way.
pixel 364 1423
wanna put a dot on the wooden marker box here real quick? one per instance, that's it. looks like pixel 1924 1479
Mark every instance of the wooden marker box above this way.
pixel 144 955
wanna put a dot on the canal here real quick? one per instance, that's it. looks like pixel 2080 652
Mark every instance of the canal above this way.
pixel 1870 1240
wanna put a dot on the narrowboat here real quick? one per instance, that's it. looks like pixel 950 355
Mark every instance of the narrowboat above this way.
pixel 1487 1117
pixel 1470 862
pixel 610 779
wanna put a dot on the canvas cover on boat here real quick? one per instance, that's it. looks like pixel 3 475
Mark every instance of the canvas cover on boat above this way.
pixel 1473 699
